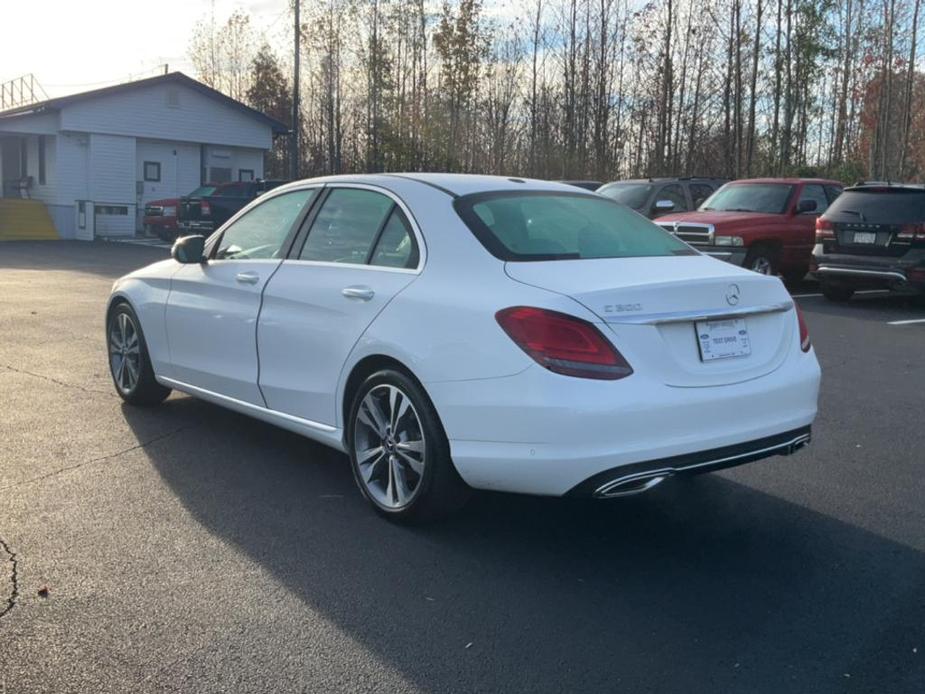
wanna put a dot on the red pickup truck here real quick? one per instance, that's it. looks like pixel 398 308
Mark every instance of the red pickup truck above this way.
pixel 160 217
pixel 765 224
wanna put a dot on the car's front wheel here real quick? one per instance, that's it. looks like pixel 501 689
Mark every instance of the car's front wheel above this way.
pixel 399 452
pixel 129 362
pixel 762 259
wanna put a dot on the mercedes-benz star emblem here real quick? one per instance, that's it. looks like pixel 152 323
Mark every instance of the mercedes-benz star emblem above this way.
pixel 732 294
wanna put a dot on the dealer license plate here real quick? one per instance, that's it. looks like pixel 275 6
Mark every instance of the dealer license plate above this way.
pixel 721 339
pixel 865 237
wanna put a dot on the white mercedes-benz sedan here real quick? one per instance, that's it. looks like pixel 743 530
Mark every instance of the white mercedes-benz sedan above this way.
pixel 452 332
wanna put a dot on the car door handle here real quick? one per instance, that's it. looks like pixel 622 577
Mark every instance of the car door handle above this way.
pixel 358 292
pixel 247 277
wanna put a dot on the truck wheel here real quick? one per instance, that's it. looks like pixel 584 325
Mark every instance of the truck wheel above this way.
pixel 836 292
pixel 795 276
pixel 762 259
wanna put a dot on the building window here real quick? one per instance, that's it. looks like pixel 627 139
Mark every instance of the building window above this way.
pixel 120 210
pixel 152 171
pixel 41 160
pixel 23 158
pixel 245 174
pixel 219 174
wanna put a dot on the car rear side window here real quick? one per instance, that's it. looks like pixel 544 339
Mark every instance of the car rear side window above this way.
pixel 347 226
pixel 396 246
pixel 700 192
pixel 525 226
pixel 812 191
pixel 879 206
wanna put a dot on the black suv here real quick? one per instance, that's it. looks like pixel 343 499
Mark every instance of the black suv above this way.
pixel 872 237
pixel 654 197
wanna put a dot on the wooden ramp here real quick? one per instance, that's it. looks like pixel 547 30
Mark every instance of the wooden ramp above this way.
pixel 25 220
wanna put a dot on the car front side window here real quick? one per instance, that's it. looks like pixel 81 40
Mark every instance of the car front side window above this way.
pixel 261 232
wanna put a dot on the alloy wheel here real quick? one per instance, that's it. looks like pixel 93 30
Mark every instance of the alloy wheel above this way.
pixel 124 352
pixel 761 265
pixel 389 447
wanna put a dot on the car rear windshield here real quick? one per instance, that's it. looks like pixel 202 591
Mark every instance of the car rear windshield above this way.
pixel 202 191
pixel 898 206
pixel 526 226
pixel 630 194
pixel 769 198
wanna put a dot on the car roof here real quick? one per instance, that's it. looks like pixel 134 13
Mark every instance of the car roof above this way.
pixel 452 184
pixel 886 186
pixel 668 179
pixel 790 181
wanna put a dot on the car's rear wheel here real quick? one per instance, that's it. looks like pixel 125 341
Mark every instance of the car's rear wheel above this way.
pixel 399 452
pixel 795 276
pixel 129 362
pixel 762 259
pixel 836 292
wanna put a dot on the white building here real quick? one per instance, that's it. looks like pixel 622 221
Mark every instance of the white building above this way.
pixel 94 159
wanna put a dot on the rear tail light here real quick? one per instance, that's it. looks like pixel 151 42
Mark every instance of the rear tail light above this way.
pixel 825 230
pixel 563 343
pixel 805 344
pixel 205 209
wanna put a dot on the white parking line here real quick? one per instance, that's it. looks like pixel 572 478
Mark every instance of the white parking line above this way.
pixel 906 322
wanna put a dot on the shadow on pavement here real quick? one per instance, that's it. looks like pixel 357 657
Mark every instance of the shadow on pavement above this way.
pixel 95 257
pixel 706 585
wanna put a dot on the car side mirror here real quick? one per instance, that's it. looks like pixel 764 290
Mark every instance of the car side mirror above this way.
pixel 664 206
pixel 806 206
pixel 189 249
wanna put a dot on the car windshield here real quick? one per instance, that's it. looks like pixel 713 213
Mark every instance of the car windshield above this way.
pixel 561 226
pixel 202 191
pixel 630 194
pixel 770 198
pixel 879 206
pixel 231 190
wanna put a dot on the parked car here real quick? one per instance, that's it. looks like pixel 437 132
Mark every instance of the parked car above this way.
pixel 872 237
pixel 586 185
pixel 205 213
pixel 764 224
pixel 654 197
pixel 453 331
pixel 160 218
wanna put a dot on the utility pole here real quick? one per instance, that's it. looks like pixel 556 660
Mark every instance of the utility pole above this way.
pixel 294 142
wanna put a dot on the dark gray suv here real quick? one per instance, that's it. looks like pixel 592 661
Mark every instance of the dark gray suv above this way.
pixel 654 197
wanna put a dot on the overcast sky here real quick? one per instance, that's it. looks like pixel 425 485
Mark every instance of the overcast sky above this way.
pixel 74 46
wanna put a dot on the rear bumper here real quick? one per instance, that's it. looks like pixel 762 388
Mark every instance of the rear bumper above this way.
pixel 903 274
pixel 541 433
pixel 629 479
pixel 731 254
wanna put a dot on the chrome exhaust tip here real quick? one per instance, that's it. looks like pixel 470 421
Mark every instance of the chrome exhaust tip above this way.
pixel 630 486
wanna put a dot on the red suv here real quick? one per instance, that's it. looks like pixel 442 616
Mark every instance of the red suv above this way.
pixel 765 224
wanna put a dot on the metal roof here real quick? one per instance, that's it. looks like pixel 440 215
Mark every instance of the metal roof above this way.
pixel 170 78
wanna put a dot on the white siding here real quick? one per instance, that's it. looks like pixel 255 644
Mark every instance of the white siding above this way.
pixel 251 159
pixel 188 167
pixel 112 182
pixel 72 168
pixel 167 112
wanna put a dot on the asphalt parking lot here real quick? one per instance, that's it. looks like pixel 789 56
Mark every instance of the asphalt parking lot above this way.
pixel 187 548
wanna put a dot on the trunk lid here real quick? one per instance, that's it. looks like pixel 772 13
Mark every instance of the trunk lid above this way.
pixel 658 309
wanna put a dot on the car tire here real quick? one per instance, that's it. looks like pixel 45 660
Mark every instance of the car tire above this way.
pixel 761 259
pixel 795 276
pixel 836 292
pixel 399 453
pixel 129 363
